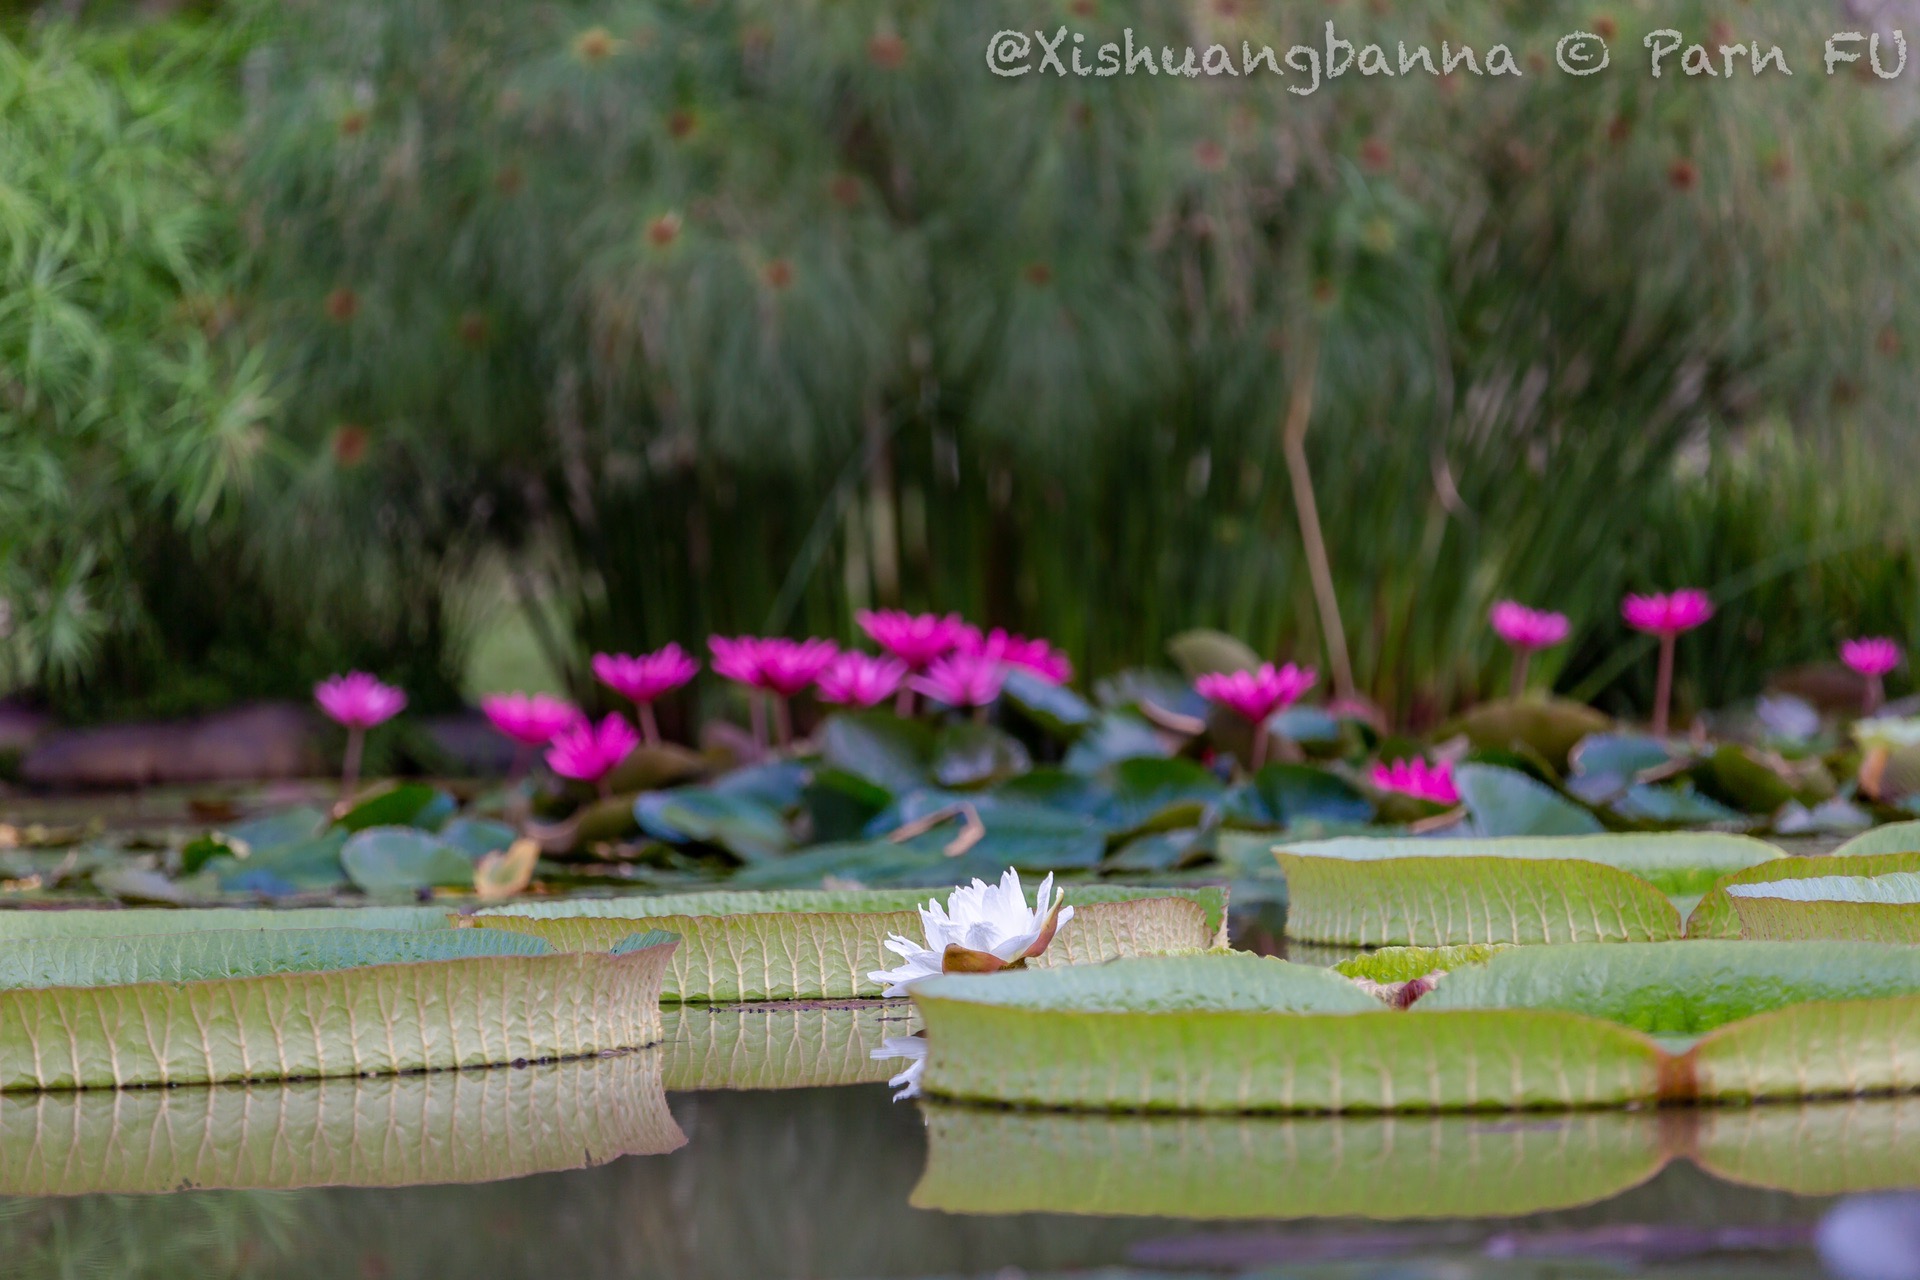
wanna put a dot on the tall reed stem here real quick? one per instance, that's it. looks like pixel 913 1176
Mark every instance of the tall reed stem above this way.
pixel 1319 564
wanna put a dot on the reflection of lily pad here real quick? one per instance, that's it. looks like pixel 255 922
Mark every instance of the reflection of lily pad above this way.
pixel 796 1046
pixel 815 945
pixel 1380 1167
pixel 431 1127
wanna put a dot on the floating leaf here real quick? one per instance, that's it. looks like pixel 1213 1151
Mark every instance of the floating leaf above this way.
pixel 1504 802
pixel 661 764
pixel 506 872
pixel 391 1131
pixel 302 866
pixel 777 784
pixel 477 837
pixel 403 860
pixel 1056 709
pixel 288 826
pixel 1895 837
pixel 279 1004
pixel 1114 737
pixel 1606 764
pixel 1675 806
pixel 1679 864
pixel 19 925
pixel 891 753
pixel 1715 916
pixel 1455 900
pixel 1202 652
pixel 743 827
pixel 196 853
pixel 1284 795
pixel 967 754
pixel 1884 908
pixel 811 945
pixel 1153 794
pixel 1404 964
pixel 406 804
pixel 1547 727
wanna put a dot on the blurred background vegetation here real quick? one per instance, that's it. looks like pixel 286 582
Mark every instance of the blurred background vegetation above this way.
pixel 371 331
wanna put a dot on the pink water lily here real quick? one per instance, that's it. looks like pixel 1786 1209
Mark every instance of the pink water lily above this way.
pixel 861 680
pixel 774 665
pixel 1526 631
pixel 358 701
pixel 1873 657
pixel 962 680
pixel 643 678
pixel 529 719
pixel 587 752
pixel 1668 617
pixel 1257 695
pixel 1415 777
pixel 914 638
pixel 1012 650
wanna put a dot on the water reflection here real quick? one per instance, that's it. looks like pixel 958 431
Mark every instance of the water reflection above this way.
pixel 795 1045
pixel 442 1126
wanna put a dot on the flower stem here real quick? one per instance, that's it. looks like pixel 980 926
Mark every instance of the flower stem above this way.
pixel 1521 659
pixel 1259 747
pixel 1876 693
pixel 350 763
pixel 782 721
pixel 757 716
pixel 903 703
pixel 649 727
pixel 980 714
pixel 1663 687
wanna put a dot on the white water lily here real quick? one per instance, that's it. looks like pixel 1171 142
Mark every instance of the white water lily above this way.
pixel 907 1083
pixel 982 928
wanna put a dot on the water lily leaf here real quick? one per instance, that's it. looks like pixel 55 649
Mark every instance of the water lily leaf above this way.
pixel 1742 777
pixel 426 1128
pixel 1679 864
pixel 1160 851
pixel 1895 837
pixel 967 754
pixel 1675 806
pixel 1128 690
pixel 145 885
pixel 1311 727
pixel 1019 834
pixel 1716 917
pixel 288 826
pixel 1604 765
pixel 778 784
pixel 1115 736
pixel 1679 990
pixel 889 752
pixel 302 866
pixel 403 860
pixel 840 805
pixel 1284 795
pixel 23 925
pixel 820 945
pixel 771 1047
pixel 1271 1167
pixel 1054 788
pixel 1060 712
pixel 477 837
pixel 1203 652
pixel 662 764
pixel 200 850
pixel 406 804
pixel 1455 900
pixel 1158 793
pixel 1823 1048
pixel 277 1004
pixel 505 872
pixel 1503 802
pixel 745 828
pixel 1884 908
pixel 1547 727
pixel 1238 1032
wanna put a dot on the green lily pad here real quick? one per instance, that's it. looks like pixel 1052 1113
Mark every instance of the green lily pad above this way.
pixel 1287 795
pixel 1203 652
pixel 967 754
pixel 1716 917
pixel 889 752
pixel 1157 793
pixel 1504 802
pixel 477 837
pixel 407 804
pixel 743 827
pixel 403 860
pixel 1547 727
pixel 1114 737
pixel 1882 908
pixel 1895 837
pixel 1060 712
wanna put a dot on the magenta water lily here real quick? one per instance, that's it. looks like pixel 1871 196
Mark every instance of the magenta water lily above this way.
pixel 774 666
pixel 1001 646
pixel 962 680
pixel 1257 695
pixel 643 678
pixel 1414 777
pixel 358 701
pixel 588 752
pixel 861 680
pixel 1668 617
pixel 1527 631
pixel 1873 658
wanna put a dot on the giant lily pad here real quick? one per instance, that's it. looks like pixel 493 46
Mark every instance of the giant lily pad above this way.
pixel 1884 908
pixel 389 1131
pixel 1895 837
pixel 820 945
pixel 90 1011
pixel 1716 916
pixel 1548 1027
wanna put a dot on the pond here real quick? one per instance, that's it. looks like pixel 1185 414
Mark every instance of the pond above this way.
pixel 763 1143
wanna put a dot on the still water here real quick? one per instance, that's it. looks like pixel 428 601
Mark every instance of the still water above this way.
pixel 760 1143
